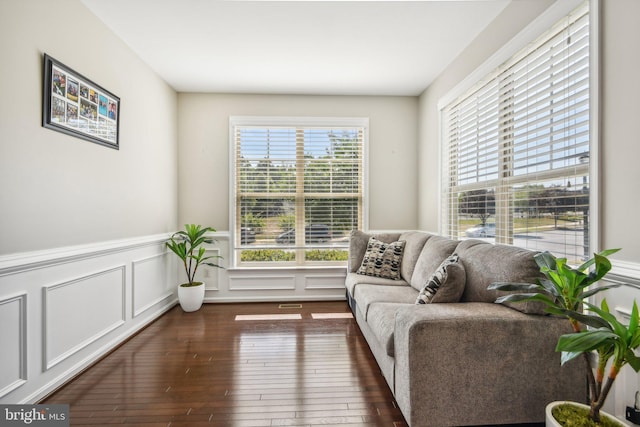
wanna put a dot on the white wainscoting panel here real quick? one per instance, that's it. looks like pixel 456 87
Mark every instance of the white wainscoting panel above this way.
pixel 625 270
pixel 13 330
pixel 80 311
pixel 149 282
pixel 262 282
pixel 620 301
pixel 62 309
pixel 209 275
pixel 324 281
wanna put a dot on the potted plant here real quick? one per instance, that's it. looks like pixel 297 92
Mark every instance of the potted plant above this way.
pixel 565 290
pixel 187 245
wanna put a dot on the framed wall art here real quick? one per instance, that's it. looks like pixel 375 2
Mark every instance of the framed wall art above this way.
pixel 77 106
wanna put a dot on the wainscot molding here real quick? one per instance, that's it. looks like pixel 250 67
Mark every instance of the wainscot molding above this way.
pixel 25 261
pixel 153 303
pixel 210 275
pixel 80 316
pixel 262 283
pixel 624 312
pixel 148 276
pixel 625 273
pixel 275 298
pixel 13 335
pixel 624 270
pixel 91 358
pixel 621 299
pixel 324 281
pixel 65 308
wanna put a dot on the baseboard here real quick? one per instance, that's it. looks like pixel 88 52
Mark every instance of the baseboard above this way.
pixel 269 298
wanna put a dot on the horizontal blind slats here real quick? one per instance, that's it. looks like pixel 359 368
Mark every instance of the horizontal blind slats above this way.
pixel 288 176
pixel 518 143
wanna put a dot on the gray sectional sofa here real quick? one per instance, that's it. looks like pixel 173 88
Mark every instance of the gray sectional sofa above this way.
pixel 472 362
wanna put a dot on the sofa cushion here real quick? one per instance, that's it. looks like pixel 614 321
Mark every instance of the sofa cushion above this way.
pixel 382 321
pixel 358 246
pixel 435 250
pixel 354 279
pixel 486 263
pixel 446 285
pixel 382 259
pixel 415 241
pixel 365 295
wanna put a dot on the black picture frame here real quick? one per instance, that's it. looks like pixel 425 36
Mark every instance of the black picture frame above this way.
pixel 74 105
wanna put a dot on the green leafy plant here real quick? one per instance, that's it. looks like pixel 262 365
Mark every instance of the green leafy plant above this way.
pixel 326 255
pixel 565 291
pixel 287 222
pixel 613 342
pixel 252 221
pixel 187 245
pixel 267 255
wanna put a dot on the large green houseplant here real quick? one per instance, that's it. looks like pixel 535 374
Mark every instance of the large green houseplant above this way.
pixel 565 291
pixel 187 245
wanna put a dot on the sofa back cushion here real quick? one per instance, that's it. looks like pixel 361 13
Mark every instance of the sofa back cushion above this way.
pixel 435 250
pixel 414 243
pixel 358 246
pixel 486 263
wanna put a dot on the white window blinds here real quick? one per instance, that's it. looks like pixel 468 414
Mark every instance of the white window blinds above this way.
pixel 298 191
pixel 516 148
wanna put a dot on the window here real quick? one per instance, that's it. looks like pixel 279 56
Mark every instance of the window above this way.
pixel 298 189
pixel 516 148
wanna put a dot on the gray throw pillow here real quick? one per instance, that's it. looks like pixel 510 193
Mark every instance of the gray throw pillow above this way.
pixel 382 259
pixel 446 284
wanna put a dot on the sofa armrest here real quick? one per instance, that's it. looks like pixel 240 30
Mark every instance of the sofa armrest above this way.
pixel 480 363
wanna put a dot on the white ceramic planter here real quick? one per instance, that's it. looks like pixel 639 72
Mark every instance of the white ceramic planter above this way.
pixel 551 422
pixel 191 297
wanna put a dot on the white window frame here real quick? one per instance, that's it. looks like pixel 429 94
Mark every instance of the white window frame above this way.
pixel 293 121
pixel 537 27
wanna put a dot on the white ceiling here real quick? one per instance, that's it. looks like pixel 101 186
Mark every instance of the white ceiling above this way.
pixel 297 47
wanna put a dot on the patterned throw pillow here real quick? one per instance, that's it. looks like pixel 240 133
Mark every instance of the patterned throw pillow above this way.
pixel 446 284
pixel 382 259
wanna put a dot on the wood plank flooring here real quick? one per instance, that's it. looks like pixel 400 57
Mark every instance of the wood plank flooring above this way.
pixel 205 368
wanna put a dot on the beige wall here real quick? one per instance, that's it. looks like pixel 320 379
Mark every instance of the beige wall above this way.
pixel 57 190
pixel 620 90
pixel 203 129
pixel 620 145
pixel 66 191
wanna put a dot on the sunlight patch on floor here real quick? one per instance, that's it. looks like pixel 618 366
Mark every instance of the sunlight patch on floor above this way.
pixel 332 315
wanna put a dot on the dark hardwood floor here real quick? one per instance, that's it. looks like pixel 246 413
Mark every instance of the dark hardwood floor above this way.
pixel 205 368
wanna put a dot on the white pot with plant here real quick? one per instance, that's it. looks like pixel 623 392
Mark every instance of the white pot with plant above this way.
pixel 565 291
pixel 187 245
